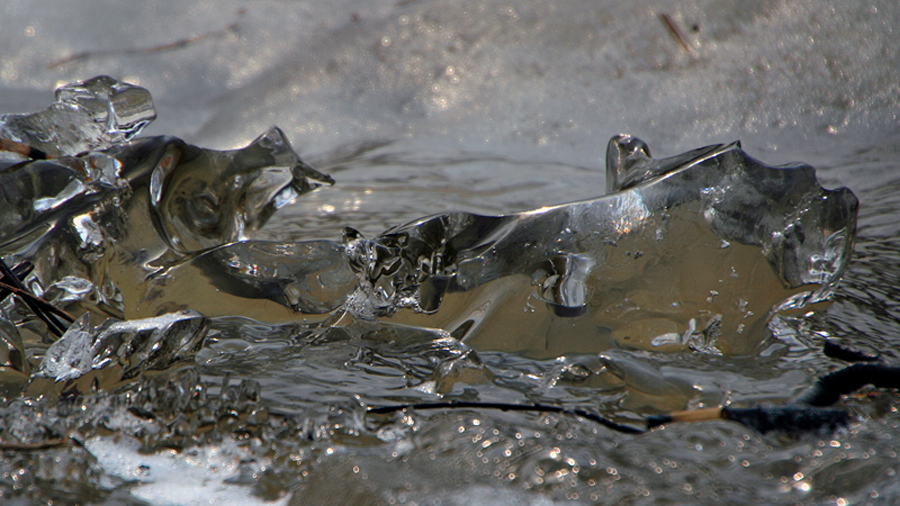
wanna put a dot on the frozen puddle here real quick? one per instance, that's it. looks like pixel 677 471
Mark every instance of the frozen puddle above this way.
pixel 167 477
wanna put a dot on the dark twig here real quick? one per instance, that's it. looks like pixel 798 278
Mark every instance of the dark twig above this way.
pixel 22 149
pixel 809 413
pixel 21 270
pixel 674 31
pixel 785 419
pixel 41 308
pixel 44 306
pixel 829 388
pixel 40 445
pixel 178 44
pixel 541 408
pixel 836 350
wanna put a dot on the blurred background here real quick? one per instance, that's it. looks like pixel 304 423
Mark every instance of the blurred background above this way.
pixel 487 106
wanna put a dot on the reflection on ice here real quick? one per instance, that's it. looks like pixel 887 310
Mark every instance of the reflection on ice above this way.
pixel 310 277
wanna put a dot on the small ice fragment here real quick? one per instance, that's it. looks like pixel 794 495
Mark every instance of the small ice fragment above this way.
pixel 132 346
pixel 70 356
pixel 666 339
pixel 87 116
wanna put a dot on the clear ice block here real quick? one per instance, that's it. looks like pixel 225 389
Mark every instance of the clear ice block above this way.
pixel 165 199
pixel 696 250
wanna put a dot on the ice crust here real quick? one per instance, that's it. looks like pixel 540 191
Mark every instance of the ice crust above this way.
pixel 685 250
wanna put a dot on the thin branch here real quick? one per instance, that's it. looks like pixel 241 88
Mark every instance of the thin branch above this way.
pixel 22 149
pixel 40 445
pixel 674 32
pixel 540 408
pixel 41 308
pixel 153 49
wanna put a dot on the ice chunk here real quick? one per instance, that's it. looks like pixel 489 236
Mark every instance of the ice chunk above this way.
pixel 639 263
pixel 637 267
pixel 120 350
pixel 203 198
pixel 87 116
pixel 70 356
pixel 112 218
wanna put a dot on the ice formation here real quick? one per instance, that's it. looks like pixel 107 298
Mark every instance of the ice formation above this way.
pixel 694 250
pixel 702 245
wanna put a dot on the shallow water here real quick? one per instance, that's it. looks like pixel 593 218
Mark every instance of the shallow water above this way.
pixel 365 92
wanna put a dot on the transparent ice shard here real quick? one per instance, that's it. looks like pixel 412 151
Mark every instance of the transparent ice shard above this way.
pixel 120 350
pixel 203 198
pixel 87 116
pixel 692 251
pixel 313 278
pixel 70 356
